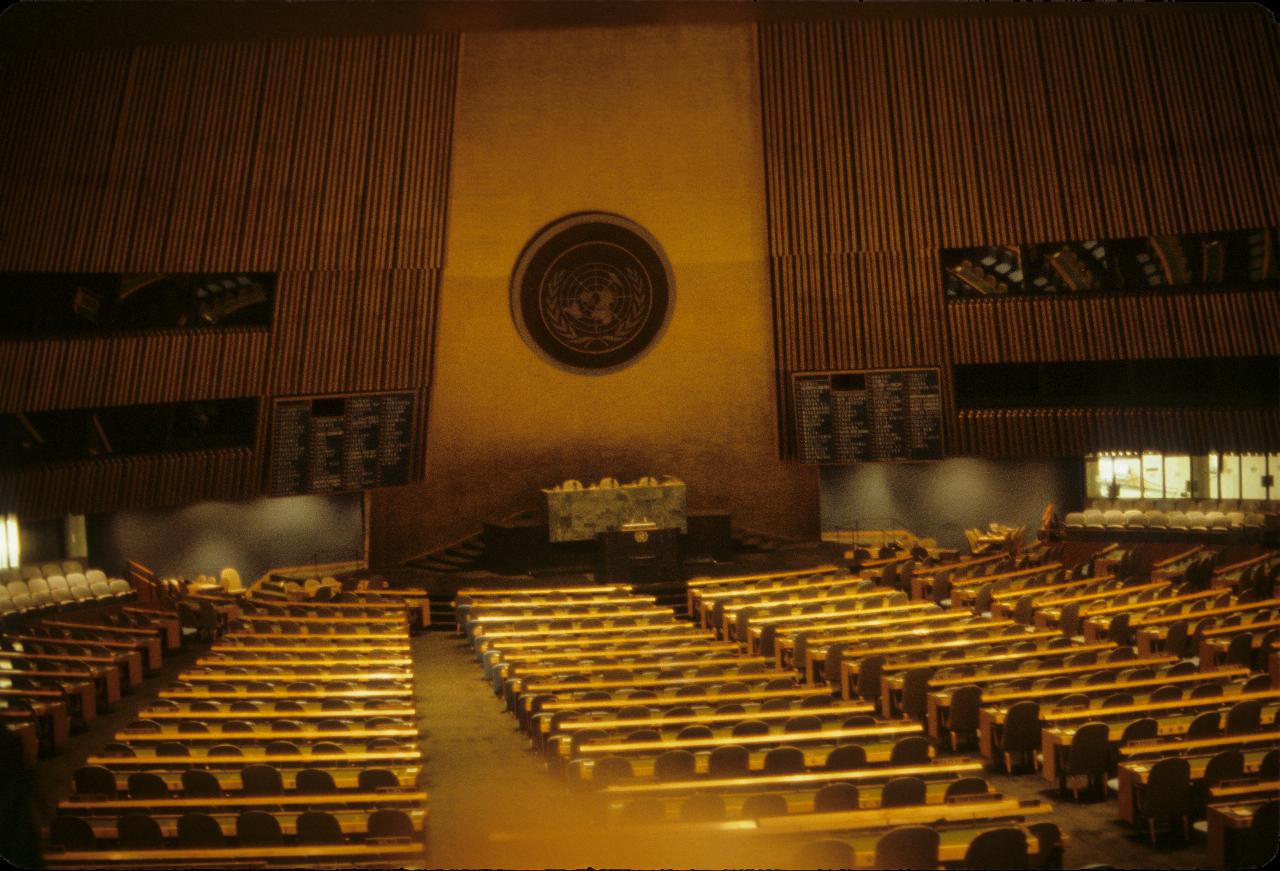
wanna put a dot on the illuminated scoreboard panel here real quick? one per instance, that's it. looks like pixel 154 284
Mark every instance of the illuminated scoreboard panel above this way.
pixel 875 415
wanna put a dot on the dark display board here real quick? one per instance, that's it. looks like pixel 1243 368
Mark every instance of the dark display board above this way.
pixel 337 444
pixel 868 416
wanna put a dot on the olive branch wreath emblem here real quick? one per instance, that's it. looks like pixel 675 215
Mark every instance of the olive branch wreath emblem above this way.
pixel 631 315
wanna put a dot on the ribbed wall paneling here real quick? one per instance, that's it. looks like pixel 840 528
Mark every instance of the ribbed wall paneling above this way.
pixel 1119 327
pixel 141 481
pixel 1074 432
pixel 131 369
pixel 343 331
pixel 324 159
pixel 889 139
pixel 327 153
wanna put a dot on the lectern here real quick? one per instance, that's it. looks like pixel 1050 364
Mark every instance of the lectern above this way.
pixel 639 554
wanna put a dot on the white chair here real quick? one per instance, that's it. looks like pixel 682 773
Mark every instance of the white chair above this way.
pixel 1255 520
pixel 7 575
pixel 100 590
pixel 1236 519
pixel 94 576
pixel 7 606
pixel 1074 520
pixel 60 590
pixel 69 566
pixel 1197 522
pixel 80 592
pixel 1135 519
pixel 120 587
pixel 1217 521
pixel 18 588
pixel 1157 520
pixel 230 579
pixel 1094 519
pixel 1178 520
pixel 1113 519
pixel 42 600
pixel 38 585
pixel 29 572
pixel 23 602
pixel 50 569
pixel 75 579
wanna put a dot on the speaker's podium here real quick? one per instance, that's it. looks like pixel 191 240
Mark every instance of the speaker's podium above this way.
pixel 640 554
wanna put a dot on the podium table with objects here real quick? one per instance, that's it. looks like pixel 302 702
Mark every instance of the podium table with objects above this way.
pixel 577 513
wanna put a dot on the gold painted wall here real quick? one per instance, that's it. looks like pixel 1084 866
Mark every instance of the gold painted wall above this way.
pixel 659 124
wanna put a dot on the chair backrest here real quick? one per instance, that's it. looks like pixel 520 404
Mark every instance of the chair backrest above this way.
pixel 846 757
pixel 913 750
pixel 94 781
pixel 1089 749
pixel 784 760
pixel 836 797
pixel 258 829
pixel 147 784
pixel 869 671
pixel 261 779
pixel 1005 847
pixel 1240 650
pixel 1168 791
pixel 199 830
pixel 1140 730
pixel 371 779
pixel 747 728
pixel 1264 833
pixel 389 823
pixel 1225 765
pixel 314 780
pixel 611 768
pixel 1244 717
pixel 1022 728
pixel 139 832
pixel 198 784
pixel 731 760
pixel 915 685
pixel 1269 768
pixel 72 833
pixel 965 703
pixel 966 786
pixel 825 853
pixel 908 847
pixel 318 827
pixel 900 791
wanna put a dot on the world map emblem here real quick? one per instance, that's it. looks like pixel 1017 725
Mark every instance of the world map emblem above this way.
pixel 591 292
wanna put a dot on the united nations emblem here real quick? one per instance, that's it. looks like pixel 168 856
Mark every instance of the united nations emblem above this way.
pixel 591 292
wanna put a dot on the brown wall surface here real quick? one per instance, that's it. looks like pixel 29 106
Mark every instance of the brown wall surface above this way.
pixel 894 133
pixel 321 157
pixel 660 125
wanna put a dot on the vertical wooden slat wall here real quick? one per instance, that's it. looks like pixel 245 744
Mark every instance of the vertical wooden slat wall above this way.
pixel 324 160
pixel 889 137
